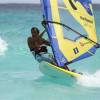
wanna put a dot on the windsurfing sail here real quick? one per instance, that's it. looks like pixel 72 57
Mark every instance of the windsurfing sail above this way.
pixel 68 50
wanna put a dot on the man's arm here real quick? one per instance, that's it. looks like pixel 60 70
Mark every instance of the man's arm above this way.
pixel 42 33
pixel 46 42
pixel 44 25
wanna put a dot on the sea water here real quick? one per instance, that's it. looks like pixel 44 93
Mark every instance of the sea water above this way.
pixel 20 77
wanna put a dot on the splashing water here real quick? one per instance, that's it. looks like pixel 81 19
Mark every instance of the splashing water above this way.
pixel 90 80
pixel 3 46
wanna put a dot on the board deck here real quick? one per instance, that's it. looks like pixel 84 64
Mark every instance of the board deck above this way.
pixel 54 71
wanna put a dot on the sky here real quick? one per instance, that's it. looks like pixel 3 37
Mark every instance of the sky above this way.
pixel 32 1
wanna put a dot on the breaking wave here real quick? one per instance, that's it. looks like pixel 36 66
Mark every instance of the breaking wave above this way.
pixel 3 46
pixel 90 80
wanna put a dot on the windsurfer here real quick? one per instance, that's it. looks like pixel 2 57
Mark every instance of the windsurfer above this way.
pixel 36 42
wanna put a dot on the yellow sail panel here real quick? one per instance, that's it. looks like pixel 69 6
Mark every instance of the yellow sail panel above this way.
pixel 82 11
pixel 70 49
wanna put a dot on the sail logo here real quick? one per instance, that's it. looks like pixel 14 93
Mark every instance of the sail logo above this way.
pixel 63 60
pixel 85 19
pixel 76 50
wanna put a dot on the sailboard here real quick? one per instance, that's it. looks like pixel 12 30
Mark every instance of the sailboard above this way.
pixel 57 72
pixel 76 43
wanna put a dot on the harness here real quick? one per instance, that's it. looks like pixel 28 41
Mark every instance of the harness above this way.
pixel 42 50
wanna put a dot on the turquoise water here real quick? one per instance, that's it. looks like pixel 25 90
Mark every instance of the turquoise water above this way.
pixel 20 78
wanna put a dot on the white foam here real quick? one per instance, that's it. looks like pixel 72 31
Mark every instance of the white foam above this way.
pixel 3 46
pixel 90 80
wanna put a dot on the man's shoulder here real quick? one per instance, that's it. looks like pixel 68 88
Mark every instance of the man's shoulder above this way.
pixel 29 38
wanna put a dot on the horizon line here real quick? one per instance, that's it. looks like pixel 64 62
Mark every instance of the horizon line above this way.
pixel 36 3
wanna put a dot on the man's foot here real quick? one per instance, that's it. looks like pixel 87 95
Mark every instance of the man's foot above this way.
pixel 66 68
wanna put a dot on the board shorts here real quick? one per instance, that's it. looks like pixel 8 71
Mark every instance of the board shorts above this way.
pixel 44 57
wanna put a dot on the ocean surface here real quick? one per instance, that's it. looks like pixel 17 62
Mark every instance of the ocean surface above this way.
pixel 20 77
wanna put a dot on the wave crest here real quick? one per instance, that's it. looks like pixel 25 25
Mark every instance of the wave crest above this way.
pixel 3 46
pixel 90 80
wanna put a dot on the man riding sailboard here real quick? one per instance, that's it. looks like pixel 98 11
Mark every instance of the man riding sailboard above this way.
pixel 38 47
pixel 65 49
